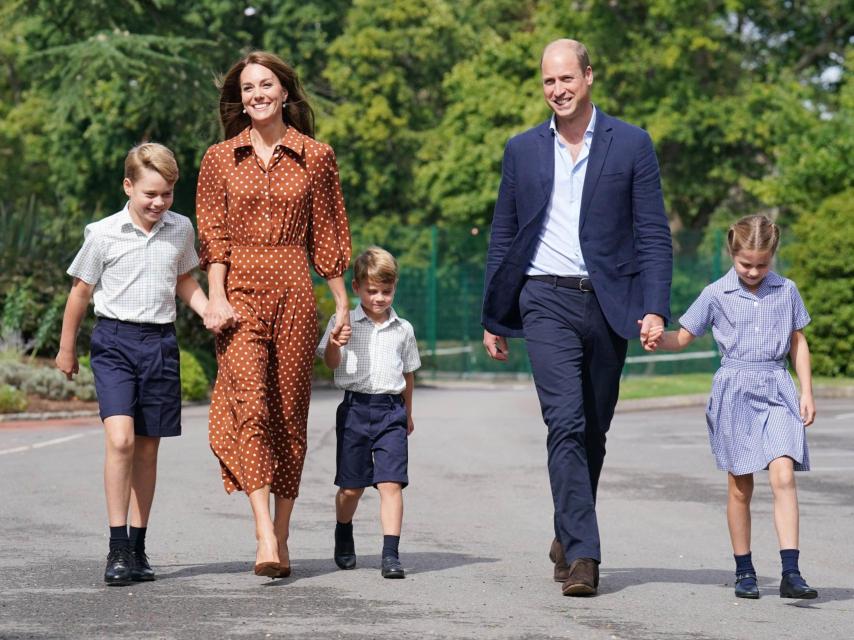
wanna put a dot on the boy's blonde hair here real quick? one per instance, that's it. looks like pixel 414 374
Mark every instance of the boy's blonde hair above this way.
pixel 754 233
pixel 375 264
pixel 153 156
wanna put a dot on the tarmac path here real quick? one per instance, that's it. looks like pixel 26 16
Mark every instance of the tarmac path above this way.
pixel 475 540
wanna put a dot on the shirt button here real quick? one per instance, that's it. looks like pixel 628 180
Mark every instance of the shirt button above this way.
pixel 755 304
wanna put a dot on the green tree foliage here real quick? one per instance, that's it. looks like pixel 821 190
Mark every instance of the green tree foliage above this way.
pixel 821 265
pixel 748 103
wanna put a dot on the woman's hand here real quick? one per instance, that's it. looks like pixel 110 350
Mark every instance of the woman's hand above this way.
pixel 219 315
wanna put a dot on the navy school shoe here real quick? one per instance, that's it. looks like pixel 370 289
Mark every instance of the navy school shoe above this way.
pixel 794 586
pixel 345 552
pixel 745 585
pixel 119 571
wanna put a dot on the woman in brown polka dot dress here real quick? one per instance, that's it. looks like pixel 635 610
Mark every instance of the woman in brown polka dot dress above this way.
pixel 268 204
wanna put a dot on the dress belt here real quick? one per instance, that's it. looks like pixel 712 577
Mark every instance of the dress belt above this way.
pixel 581 283
pixel 746 365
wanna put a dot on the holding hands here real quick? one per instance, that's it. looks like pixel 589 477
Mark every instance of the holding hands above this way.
pixel 651 331
pixel 219 315
pixel 341 332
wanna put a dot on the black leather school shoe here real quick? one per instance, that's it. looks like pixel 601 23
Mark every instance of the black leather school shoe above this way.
pixel 119 567
pixel 345 554
pixel 745 585
pixel 392 568
pixel 141 570
pixel 794 586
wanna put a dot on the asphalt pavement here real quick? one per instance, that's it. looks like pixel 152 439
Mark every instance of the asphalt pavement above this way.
pixel 476 535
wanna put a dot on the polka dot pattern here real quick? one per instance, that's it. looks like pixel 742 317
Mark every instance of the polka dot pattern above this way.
pixel 267 224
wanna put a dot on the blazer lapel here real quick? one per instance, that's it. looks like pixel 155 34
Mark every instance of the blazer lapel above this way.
pixel 599 147
pixel 546 164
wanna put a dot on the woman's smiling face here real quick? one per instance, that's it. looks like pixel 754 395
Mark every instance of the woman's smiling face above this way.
pixel 261 93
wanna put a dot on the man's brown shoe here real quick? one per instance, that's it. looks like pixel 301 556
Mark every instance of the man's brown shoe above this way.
pixel 556 555
pixel 583 578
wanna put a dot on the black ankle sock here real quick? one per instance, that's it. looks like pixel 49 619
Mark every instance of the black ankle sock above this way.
pixel 343 531
pixel 137 538
pixel 118 537
pixel 744 564
pixel 789 558
pixel 390 544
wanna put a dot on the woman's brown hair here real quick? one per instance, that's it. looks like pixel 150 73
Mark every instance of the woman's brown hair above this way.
pixel 754 233
pixel 297 112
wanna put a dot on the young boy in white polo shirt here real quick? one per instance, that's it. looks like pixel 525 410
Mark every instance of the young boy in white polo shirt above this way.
pixel 376 370
pixel 133 263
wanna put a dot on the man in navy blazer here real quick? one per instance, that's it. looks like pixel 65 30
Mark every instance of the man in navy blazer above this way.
pixel 579 261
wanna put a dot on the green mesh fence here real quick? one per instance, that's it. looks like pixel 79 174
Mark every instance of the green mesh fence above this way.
pixel 441 285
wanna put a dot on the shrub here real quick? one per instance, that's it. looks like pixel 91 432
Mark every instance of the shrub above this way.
pixel 194 382
pixel 46 382
pixel 822 267
pixel 12 400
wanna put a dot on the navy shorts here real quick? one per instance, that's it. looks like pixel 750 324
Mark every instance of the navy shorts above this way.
pixel 137 373
pixel 372 447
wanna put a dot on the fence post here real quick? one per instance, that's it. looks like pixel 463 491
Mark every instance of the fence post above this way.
pixel 433 295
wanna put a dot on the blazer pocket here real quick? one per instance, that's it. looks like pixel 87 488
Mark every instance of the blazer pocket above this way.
pixel 628 268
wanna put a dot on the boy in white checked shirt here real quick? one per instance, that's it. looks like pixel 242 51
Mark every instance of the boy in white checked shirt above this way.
pixel 133 263
pixel 374 362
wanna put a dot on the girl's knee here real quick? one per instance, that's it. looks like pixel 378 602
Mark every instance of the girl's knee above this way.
pixel 741 488
pixel 782 475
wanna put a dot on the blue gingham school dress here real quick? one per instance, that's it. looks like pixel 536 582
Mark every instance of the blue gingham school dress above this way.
pixel 753 414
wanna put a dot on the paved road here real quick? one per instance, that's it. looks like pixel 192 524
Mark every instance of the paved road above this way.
pixel 475 540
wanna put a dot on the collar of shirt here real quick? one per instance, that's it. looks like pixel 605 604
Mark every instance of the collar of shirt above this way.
pixel 588 133
pixel 292 139
pixel 359 315
pixel 731 282
pixel 126 223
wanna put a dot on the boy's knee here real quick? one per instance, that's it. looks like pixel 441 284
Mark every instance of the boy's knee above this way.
pixel 351 494
pixel 120 443
pixel 389 488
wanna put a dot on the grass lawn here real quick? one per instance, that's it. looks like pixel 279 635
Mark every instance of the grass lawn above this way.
pixel 635 387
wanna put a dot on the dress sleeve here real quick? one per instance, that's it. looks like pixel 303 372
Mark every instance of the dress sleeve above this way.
pixel 212 213
pixel 699 316
pixel 328 231
pixel 88 264
pixel 800 315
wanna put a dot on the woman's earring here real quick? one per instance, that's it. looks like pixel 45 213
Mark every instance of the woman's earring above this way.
pixel 244 110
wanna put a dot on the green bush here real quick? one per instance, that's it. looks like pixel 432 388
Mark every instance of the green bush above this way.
pixel 823 269
pixel 194 382
pixel 46 382
pixel 12 400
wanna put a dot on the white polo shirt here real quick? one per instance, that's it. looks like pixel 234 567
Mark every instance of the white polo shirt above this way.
pixel 135 272
pixel 377 355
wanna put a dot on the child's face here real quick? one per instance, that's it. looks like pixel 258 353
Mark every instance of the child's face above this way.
pixel 150 197
pixel 376 297
pixel 752 266
pixel 261 93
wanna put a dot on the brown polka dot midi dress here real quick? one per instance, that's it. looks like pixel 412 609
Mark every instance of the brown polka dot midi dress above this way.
pixel 266 225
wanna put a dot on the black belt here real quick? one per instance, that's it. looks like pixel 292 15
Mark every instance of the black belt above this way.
pixel 582 283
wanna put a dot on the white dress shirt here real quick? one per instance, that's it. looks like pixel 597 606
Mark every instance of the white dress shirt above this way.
pixel 135 272
pixel 376 356
pixel 559 250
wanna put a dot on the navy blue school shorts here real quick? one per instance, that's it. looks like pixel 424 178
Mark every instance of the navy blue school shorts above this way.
pixel 137 373
pixel 372 448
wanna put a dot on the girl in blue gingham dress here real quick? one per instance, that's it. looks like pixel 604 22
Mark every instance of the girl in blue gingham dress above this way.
pixel 755 418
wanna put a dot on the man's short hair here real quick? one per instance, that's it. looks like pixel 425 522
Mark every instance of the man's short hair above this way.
pixel 375 264
pixel 153 156
pixel 578 49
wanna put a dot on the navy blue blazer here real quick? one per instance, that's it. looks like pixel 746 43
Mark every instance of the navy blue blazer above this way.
pixel 623 230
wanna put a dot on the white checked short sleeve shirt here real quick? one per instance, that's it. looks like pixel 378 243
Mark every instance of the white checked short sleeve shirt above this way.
pixel 134 272
pixel 377 355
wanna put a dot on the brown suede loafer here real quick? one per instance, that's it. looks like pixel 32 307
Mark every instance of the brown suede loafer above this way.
pixel 556 555
pixel 583 578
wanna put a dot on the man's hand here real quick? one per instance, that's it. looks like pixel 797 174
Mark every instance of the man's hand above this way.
pixel 651 330
pixel 496 346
